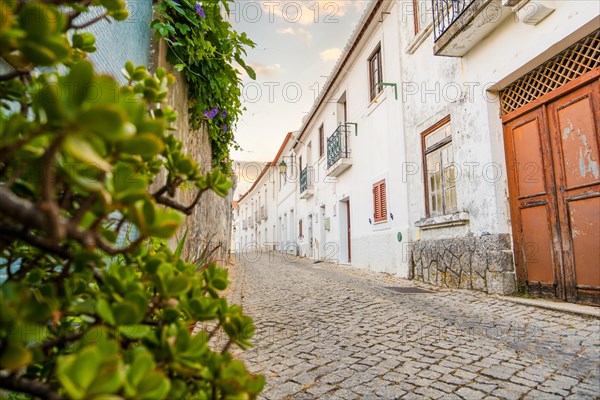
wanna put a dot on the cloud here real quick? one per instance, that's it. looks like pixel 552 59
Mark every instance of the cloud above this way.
pixel 302 34
pixel 265 71
pixel 331 54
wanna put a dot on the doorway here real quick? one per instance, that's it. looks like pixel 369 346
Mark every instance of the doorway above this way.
pixel 553 160
pixel 345 232
pixel 323 236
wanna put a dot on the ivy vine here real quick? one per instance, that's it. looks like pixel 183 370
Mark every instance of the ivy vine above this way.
pixel 204 47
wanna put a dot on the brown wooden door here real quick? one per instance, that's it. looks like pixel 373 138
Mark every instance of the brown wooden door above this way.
pixel 533 204
pixel 349 231
pixel 574 122
pixel 554 185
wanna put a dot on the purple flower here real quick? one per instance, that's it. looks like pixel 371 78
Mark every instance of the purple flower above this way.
pixel 200 10
pixel 210 114
pixel 224 114
pixel 224 128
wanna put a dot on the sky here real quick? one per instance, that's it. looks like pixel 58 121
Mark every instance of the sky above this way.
pixel 297 44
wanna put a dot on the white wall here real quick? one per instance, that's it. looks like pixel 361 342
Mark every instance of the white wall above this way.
pixel 378 142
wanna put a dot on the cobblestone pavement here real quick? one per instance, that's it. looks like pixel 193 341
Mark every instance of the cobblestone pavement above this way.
pixel 332 332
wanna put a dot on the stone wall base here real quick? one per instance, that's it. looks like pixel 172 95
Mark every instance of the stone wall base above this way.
pixel 482 263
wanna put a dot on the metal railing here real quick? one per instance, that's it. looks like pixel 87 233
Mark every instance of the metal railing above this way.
pixel 263 213
pixel 306 179
pixel 337 145
pixel 446 12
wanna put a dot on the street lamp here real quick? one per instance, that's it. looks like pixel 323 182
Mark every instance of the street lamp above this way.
pixel 282 167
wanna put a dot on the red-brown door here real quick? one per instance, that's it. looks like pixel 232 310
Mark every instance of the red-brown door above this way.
pixel 554 185
pixel 349 231
pixel 574 122
pixel 533 204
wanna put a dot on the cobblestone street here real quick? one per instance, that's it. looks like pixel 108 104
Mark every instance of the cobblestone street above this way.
pixel 332 332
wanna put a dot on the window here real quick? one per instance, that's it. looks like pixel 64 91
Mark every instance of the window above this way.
pixel 321 141
pixel 379 202
pixel 440 170
pixel 375 75
pixel 416 15
pixel 300 163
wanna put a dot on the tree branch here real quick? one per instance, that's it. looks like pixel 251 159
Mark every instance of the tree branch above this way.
pixel 187 210
pixel 14 74
pixel 27 386
pixel 48 344
pixel 91 21
pixel 49 204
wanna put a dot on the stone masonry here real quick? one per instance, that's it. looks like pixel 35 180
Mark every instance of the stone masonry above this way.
pixel 482 263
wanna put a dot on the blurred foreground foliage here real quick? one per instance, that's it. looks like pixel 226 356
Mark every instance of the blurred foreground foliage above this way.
pixel 93 303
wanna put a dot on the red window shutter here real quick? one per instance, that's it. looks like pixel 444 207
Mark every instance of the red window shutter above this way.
pixel 380 202
pixel 375 202
pixel 383 200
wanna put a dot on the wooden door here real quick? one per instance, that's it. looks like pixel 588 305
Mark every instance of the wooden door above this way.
pixel 349 231
pixel 574 121
pixel 533 204
pixel 553 158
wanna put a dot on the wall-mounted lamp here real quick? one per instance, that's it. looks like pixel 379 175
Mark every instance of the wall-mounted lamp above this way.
pixel 392 216
pixel 282 167
pixel 370 222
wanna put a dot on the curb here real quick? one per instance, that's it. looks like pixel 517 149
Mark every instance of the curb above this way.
pixel 570 308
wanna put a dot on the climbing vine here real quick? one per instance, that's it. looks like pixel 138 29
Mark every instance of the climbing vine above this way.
pixel 205 48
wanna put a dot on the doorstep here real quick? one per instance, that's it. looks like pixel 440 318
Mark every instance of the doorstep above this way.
pixel 571 308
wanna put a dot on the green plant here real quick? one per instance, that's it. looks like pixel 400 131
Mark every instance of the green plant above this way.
pixel 93 304
pixel 203 46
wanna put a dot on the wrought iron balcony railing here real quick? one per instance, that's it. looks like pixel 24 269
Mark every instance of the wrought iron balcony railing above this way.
pixel 306 179
pixel 337 145
pixel 263 213
pixel 446 12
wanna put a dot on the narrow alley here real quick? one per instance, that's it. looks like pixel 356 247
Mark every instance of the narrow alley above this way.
pixel 332 332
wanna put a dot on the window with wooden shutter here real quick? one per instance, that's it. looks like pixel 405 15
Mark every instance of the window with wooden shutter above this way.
pixel 300 229
pixel 380 201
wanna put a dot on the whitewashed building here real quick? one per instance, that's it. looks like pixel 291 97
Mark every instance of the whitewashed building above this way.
pixel 502 194
pixel 455 142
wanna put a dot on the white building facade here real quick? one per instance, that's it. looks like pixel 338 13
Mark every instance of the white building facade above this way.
pixel 455 142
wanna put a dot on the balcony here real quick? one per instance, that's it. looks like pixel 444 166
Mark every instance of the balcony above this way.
pixel 307 178
pixel 263 213
pixel 458 25
pixel 257 217
pixel 338 151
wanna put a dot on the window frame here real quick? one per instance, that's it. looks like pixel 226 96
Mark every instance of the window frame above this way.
pixel 375 88
pixel 380 217
pixel 425 151
pixel 321 141
pixel 416 16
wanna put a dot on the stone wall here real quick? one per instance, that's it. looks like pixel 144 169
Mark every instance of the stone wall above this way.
pixel 210 224
pixel 482 263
